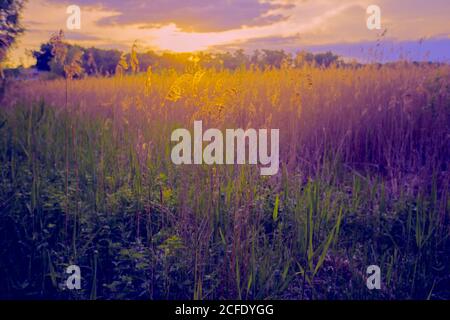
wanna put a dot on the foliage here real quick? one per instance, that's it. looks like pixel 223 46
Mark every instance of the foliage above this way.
pixel 10 27
pixel 364 180
pixel 109 62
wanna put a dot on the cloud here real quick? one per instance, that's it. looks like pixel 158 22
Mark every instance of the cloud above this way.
pixel 289 44
pixel 386 50
pixel 191 25
pixel 190 15
pixel 79 36
pixel 433 49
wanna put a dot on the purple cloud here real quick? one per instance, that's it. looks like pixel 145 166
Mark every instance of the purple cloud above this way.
pixel 190 15
pixel 436 49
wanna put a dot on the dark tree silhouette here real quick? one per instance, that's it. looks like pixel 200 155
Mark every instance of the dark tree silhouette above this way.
pixel 10 27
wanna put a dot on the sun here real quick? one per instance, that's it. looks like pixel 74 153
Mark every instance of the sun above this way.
pixel 171 38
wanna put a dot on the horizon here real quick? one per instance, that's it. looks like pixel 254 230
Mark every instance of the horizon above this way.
pixel 409 29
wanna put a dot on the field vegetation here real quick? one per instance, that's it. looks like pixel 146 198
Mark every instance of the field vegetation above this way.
pixel 86 178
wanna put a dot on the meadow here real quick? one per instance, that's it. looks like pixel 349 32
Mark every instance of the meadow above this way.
pixel 87 179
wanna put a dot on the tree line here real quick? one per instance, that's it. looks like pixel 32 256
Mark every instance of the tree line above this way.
pixel 55 55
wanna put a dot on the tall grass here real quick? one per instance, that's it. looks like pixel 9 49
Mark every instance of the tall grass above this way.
pixel 363 180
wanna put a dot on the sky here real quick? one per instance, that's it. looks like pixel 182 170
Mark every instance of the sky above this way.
pixel 414 29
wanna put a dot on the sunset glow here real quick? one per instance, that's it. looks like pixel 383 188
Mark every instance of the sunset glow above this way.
pixel 225 156
pixel 280 24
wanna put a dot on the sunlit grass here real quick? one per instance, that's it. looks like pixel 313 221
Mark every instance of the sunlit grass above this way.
pixel 364 180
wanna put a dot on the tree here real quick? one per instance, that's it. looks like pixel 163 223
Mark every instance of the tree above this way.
pixel 73 63
pixel 326 59
pixel 241 59
pixel 89 64
pixel 99 61
pixel 60 58
pixel 256 58
pixel 43 57
pixel 274 58
pixel 10 27
pixel 147 59
pixel 304 58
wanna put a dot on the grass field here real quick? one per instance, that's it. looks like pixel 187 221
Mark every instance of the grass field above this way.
pixel 86 178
